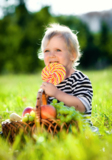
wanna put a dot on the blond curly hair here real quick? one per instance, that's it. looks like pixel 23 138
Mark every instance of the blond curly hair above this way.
pixel 67 34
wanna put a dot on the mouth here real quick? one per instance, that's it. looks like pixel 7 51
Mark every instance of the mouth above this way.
pixel 53 62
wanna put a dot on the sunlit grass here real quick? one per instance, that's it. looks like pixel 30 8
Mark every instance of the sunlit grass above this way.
pixel 102 103
pixel 19 91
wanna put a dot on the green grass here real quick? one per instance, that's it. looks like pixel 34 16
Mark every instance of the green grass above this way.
pixel 19 91
pixel 102 102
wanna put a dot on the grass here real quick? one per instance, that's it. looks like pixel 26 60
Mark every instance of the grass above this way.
pixel 102 103
pixel 19 91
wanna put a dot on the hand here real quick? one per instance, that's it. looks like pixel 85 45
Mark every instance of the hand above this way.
pixel 49 89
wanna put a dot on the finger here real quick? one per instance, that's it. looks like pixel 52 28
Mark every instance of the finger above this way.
pixel 40 90
pixel 46 83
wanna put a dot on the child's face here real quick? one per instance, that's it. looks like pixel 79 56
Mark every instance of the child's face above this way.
pixel 55 50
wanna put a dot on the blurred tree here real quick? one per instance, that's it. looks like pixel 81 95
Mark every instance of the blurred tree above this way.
pixel 103 40
pixel 105 44
pixel 8 7
pixel 21 33
pixel 91 53
pixel 22 38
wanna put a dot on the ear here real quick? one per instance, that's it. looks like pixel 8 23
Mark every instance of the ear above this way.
pixel 73 56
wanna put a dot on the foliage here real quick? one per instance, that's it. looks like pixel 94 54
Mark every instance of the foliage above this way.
pixel 21 33
pixel 20 91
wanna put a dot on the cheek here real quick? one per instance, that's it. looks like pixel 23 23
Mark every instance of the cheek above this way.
pixel 45 60
pixel 67 56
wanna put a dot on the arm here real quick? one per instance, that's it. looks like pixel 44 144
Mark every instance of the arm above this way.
pixel 69 100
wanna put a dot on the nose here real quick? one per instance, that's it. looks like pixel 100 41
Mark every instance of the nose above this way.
pixel 52 54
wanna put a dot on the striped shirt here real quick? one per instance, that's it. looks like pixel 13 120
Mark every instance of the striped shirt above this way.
pixel 80 86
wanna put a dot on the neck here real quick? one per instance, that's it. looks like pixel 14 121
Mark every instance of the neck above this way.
pixel 69 72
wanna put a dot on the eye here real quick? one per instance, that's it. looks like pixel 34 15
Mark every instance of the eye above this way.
pixel 58 50
pixel 46 50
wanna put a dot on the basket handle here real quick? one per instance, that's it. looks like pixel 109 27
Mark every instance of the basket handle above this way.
pixel 44 98
pixel 38 107
pixel 41 100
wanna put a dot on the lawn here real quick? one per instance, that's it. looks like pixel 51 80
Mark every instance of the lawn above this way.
pixel 20 91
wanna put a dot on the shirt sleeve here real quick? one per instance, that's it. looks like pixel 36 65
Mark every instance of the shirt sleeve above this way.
pixel 82 89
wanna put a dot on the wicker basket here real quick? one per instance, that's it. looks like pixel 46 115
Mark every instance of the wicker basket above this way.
pixel 11 128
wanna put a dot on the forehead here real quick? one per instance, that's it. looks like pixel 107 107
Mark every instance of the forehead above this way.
pixel 57 39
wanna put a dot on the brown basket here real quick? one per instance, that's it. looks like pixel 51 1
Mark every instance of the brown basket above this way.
pixel 11 128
